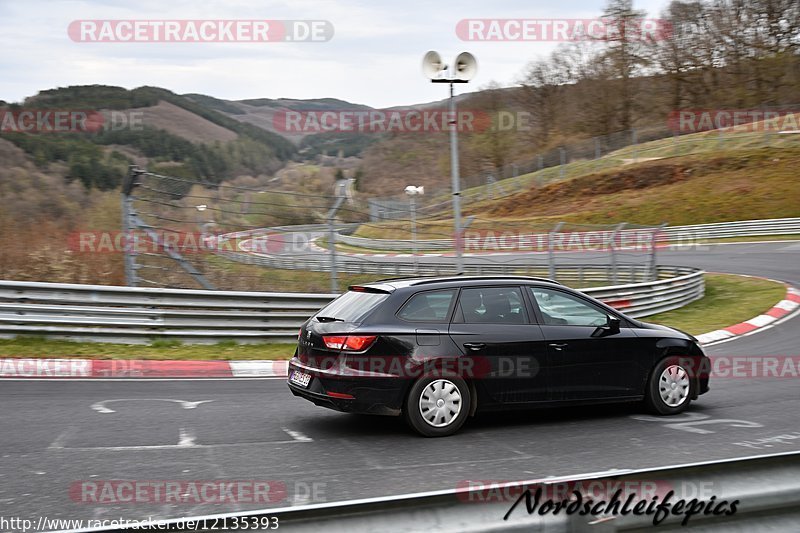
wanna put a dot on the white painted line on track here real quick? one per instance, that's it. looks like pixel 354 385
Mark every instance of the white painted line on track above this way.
pixel 186 439
pixel 297 435
pixel 62 438
pixel 174 446
pixel 101 407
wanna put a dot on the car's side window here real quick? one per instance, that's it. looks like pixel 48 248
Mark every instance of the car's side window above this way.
pixel 429 306
pixel 562 309
pixel 492 305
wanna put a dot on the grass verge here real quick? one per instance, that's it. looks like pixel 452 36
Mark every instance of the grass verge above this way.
pixel 753 238
pixel 729 299
pixel 158 350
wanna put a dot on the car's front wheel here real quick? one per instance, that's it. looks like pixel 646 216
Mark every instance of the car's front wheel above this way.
pixel 437 406
pixel 671 387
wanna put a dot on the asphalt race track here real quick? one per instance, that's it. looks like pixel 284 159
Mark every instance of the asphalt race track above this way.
pixel 57 434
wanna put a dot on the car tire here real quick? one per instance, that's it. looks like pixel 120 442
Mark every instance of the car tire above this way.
pixel 437 406
pixel 670 388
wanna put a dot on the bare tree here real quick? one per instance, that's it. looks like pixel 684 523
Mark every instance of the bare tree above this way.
pixel 626 52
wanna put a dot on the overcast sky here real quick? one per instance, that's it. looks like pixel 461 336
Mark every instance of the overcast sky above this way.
pixel 374 57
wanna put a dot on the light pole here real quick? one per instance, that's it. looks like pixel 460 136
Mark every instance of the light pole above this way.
pixel 412 193
pixel 343 191
pixel 462 70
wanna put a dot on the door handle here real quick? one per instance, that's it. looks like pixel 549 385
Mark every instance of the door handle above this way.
pixel 558 345
pixel 474 346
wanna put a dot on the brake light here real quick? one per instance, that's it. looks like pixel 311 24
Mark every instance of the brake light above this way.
pixel 360 342
pixel 353 343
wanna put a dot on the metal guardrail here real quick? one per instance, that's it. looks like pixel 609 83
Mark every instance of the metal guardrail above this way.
pixel 741 228
pixel 437 245
pixel 572 274
pixel 766 490
pixel 140 315
pixel 677 287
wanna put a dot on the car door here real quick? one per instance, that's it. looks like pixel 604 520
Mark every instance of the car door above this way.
pixel 587 359
pixel 492 326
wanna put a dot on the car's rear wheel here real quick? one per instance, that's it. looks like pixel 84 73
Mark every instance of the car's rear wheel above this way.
pixel 437 406
pixel 670 389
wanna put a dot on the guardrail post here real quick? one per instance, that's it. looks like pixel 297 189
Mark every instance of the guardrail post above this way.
pixel 653 250
pixel 614 251
pixel 551 259
pixel 129 250
pixel 413 206
pixel 130 245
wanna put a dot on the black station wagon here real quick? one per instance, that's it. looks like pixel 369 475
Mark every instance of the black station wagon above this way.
pixel 438 350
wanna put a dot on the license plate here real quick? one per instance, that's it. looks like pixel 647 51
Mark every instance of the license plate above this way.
pixel 300 378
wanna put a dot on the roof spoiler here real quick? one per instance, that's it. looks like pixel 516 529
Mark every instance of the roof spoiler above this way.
pixel 369 288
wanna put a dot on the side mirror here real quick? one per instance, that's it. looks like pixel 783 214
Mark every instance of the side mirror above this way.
pixel 611 327
pixel 612 324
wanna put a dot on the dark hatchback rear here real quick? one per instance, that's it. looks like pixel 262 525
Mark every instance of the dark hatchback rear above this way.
pixel 323 368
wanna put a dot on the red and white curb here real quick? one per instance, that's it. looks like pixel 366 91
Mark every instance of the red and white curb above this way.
pixel 779 311
pixel 41 368
pixel 138 369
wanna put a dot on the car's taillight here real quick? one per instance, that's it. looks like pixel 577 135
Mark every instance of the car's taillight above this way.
pixel 353 343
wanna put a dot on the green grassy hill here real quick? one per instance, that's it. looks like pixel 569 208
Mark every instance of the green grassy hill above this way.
pixel 700 178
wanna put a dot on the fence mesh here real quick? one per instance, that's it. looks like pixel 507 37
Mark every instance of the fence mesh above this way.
pixel 190 234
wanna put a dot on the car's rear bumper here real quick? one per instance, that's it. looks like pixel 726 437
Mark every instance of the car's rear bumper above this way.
pixel 366 393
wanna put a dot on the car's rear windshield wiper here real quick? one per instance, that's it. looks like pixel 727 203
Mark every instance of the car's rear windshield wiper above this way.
pixel 329 319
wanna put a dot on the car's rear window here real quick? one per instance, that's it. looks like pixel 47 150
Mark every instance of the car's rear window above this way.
pixel 430 306
pixel 352 306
